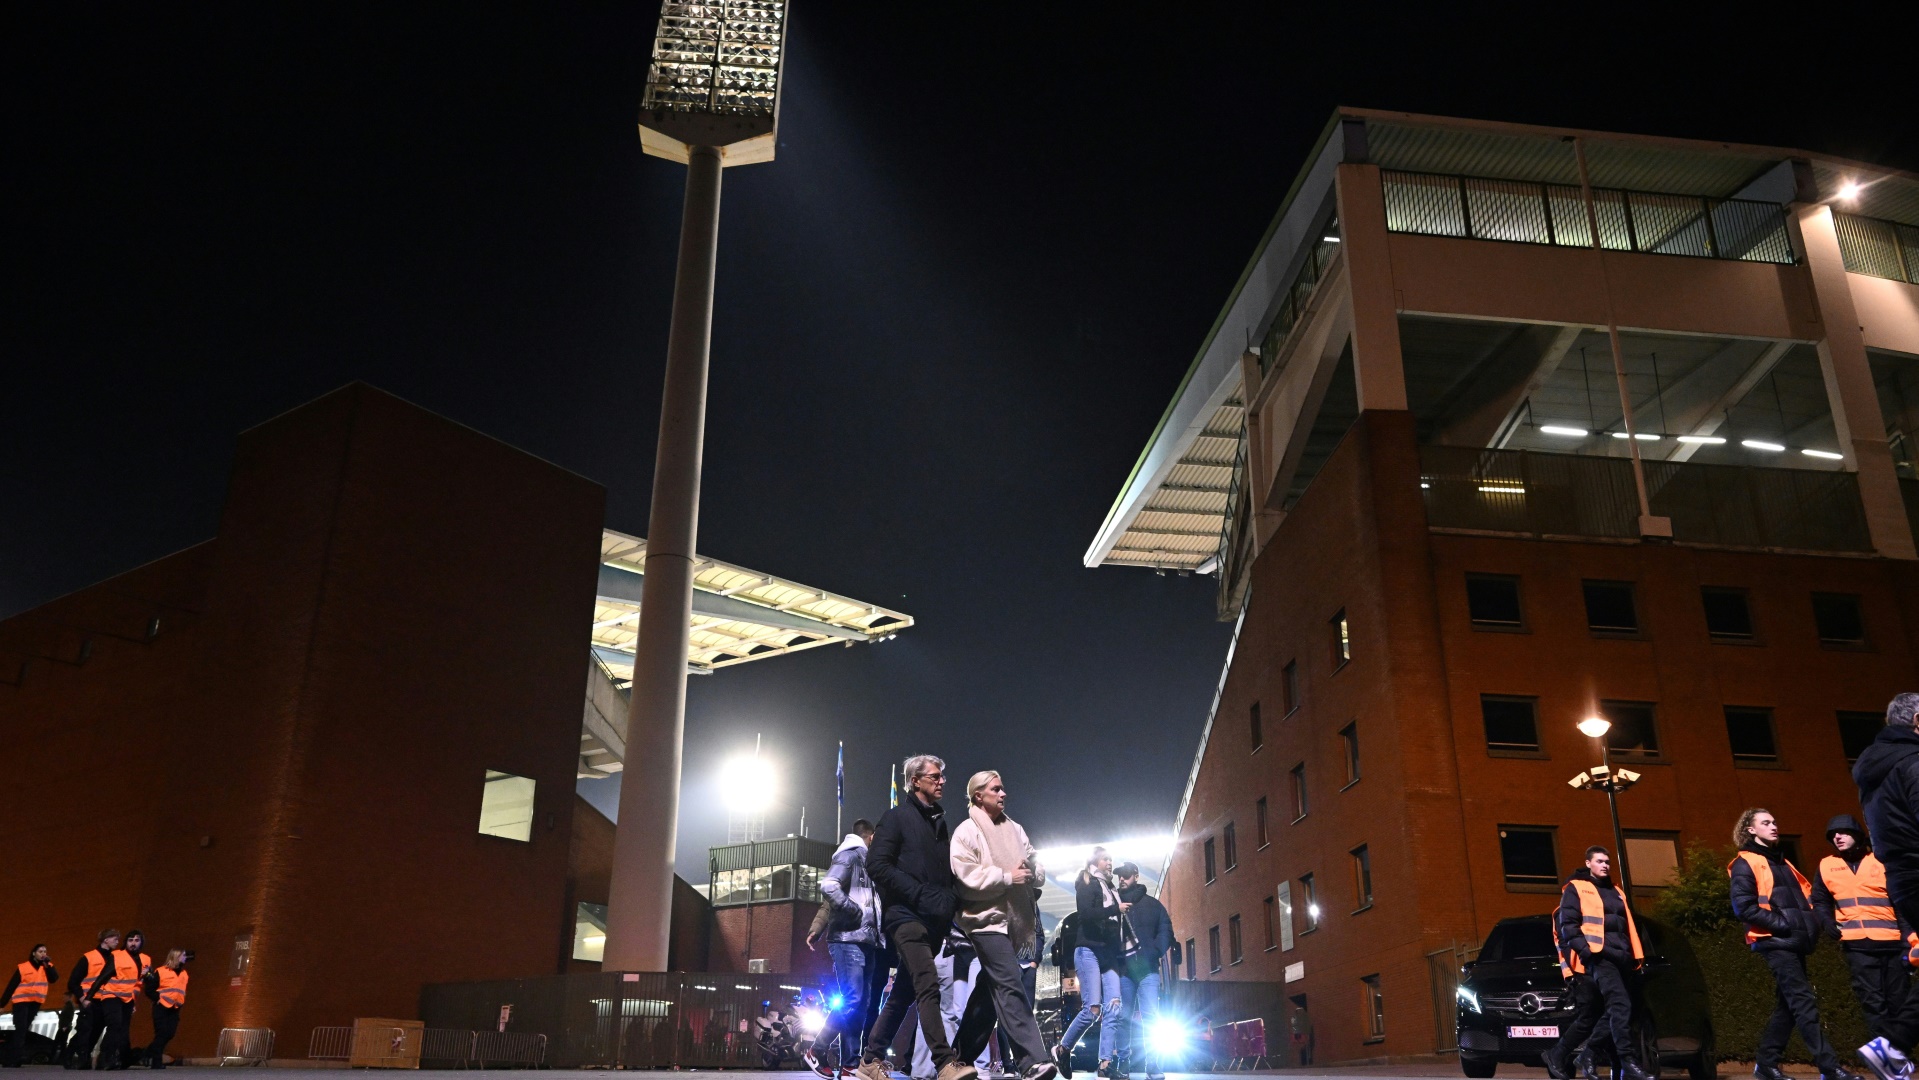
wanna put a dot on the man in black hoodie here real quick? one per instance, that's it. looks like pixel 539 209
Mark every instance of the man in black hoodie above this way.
pixel 1599 950
pixel 1774 900
pixel 1850 895
pixel 1139 972
pixel 911 865
pixel 1888 778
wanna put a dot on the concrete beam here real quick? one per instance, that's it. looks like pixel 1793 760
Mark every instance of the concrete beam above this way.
pixel 1708 421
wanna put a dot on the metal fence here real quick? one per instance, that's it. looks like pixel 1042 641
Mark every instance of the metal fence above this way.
pixel 619 1020
pixel 1222 1003
pixel 1480 208
pixel 1540 494
pixel 244 1046
pixel 1886 249
pixel 1292 303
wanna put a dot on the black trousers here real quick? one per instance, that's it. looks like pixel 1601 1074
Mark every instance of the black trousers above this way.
pixel 92 1024
pixel 1900 1025
pixel 22 1025
pixel 999 993
pixel 1603 1004
pixel 165 1022
pixel 1880 981
pixel 916 949
pixel 66 1028
pixel 1795 1006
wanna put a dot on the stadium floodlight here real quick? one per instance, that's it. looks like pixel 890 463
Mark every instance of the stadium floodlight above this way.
pixel 747 783
pixel 711 100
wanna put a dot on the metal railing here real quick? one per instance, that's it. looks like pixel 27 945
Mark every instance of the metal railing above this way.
pixel 244 1046
pixel 1234 526
pixel 1292 303
pixel 330 1044
pixel 1480 208
pixel 1878 248
pixel 446 1047
pixel 1529 493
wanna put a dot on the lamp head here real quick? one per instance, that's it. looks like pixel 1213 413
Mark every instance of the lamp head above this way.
pixel 715 80
pixel 1595 726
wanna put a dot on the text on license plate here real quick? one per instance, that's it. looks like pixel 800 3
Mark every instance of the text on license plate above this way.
pixel 1550 1031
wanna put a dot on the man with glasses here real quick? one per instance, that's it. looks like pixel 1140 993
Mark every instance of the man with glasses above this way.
pixel 910 862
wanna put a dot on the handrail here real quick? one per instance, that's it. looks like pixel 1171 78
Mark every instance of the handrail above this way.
pixel 1877 247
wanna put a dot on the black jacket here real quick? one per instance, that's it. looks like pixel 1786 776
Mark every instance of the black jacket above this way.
pixel 1151 924
pixel 1571 927
pixel 1793 923
pixel 1888 778
pixel 1098 921
pixel 911 864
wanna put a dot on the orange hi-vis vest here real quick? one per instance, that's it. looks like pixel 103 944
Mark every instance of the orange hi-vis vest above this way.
pixel 95 965
pixel 124 981
pixel 173 988
pixel 1762 880
pixel 33 985
pixel 1592 923
pixel 1859 899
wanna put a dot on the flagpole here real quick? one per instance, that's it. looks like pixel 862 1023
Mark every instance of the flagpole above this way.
pixel 839 793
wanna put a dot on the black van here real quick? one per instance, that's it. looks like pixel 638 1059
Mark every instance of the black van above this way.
pixel 1512 1002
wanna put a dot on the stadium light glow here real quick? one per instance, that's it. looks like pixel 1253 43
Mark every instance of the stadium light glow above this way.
pixel 1167 1036
pixel 715 79
pixel 1595 726
pixel 1849 190
pixel 747 783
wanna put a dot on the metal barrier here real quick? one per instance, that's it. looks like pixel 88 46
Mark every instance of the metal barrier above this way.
pixel 1539 494
pixel 1481 208
pixel 330 1044
pixel 447 1046
pixel 1878 248
pixel 508 1048
pixel 244 1046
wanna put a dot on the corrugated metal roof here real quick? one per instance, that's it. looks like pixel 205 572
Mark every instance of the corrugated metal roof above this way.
pixel 1894 197
pixel 1550 159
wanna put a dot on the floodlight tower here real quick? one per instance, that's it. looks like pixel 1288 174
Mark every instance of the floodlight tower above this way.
pixel 711 100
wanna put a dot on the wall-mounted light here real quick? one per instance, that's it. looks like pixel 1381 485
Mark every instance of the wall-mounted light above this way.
pixel 1849 190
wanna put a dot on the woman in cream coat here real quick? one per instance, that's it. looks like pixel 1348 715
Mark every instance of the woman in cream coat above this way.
pixel 999 880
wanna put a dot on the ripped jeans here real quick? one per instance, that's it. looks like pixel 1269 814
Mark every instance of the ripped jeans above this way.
pixel 1099 991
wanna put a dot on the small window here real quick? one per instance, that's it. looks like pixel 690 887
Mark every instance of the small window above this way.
pixel 1267 908
pixel 1298 777
pixel 1341 637
pixel 1492 600
pixel 1839 619
pixel 1362 878
pixel 1857 730
pixel 1212 946
pixel 1192 959
pixel 1653 859
pixel 589 932
pixel 1751 733
pixel 1233 939
pixel 1309 895
pixel 1635 732
pixel 1374 1003
pixel 1728 614
pixel 1212 866
pixel 1259 821
pixel 506 806
pixel 1610 608
pixel 1258 733
pixel 1285 916
pixel 1232 846
pixel 1512 723
pixel 1528 854
pixel 1289 686
pixel 1349 741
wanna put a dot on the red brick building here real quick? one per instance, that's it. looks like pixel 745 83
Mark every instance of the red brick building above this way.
pixel 1417 491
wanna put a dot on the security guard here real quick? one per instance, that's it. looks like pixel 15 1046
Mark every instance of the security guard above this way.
pixel 26 992
pixel 143 970
pixel 1598 949
pixel 167 986
pixel 91 973
pixel 1774 900
pixel 1851 894
pixel 115 995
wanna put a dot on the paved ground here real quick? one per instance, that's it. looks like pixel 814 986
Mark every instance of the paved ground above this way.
pixel 1449 1071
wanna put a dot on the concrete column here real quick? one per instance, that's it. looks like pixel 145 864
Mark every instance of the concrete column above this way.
pixel 1856 416
pixel 1377 366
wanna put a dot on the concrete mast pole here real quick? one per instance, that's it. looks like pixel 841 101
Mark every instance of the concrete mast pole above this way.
pixel 640 903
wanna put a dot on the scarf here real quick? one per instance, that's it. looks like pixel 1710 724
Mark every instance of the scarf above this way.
pixel 1006 842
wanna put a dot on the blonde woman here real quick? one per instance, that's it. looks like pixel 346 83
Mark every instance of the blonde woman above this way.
pixel 999 880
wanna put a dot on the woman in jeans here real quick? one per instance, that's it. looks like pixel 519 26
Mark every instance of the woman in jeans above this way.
pixel 1102 931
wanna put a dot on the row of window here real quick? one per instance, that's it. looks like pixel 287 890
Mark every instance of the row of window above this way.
pixel 1372 1002
pixel 1512 728
pixel 1612 610
pixel 1301 805
pixel 1529 856
pixel 1339 639
pixel 1279 912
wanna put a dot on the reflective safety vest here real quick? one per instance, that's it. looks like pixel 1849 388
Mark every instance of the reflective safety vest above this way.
pixel 96 963
pixel 1762 881
pixel 33 985
pixel 1859 899
pixel 124 981
pixel 1592 923
pixel 173 988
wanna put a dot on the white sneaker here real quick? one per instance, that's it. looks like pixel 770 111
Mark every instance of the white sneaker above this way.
pixel 1884 1059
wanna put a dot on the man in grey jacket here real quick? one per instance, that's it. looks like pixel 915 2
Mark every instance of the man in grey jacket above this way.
pixel 852 912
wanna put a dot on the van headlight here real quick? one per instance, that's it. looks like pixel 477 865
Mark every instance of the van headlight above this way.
pixel 1467 999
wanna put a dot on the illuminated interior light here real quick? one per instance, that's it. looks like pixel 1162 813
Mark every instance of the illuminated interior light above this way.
pixel 1703 440
pixel 1755 444
pixel 1824 454
pixel 1640 435
pixel 1501 489
pixel 1330 239
pixel 1424 484
pixel 1555 429
pixel 1849 190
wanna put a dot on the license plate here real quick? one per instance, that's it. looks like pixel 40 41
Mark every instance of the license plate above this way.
pixel 1550 1031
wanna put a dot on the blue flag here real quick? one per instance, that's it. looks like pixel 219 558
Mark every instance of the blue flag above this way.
pixel 839 779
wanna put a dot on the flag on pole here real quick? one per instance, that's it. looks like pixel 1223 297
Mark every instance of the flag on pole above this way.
pixel 839 789
pixel 893 780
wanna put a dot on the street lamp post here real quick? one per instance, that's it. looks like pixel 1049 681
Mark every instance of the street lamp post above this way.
pixel 711 100
pixel 1612 782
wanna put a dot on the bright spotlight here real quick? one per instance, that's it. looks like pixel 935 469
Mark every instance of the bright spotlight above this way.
pixel 811 1021
pixel 746 783
pixel 1167 1037
pixel 836 1002
pixel 1595 726
pixel 1849 190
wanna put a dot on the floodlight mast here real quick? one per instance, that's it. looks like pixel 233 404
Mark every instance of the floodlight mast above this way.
pixel 711 100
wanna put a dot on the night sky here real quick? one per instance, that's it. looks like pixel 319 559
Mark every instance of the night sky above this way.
pixel 948 315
